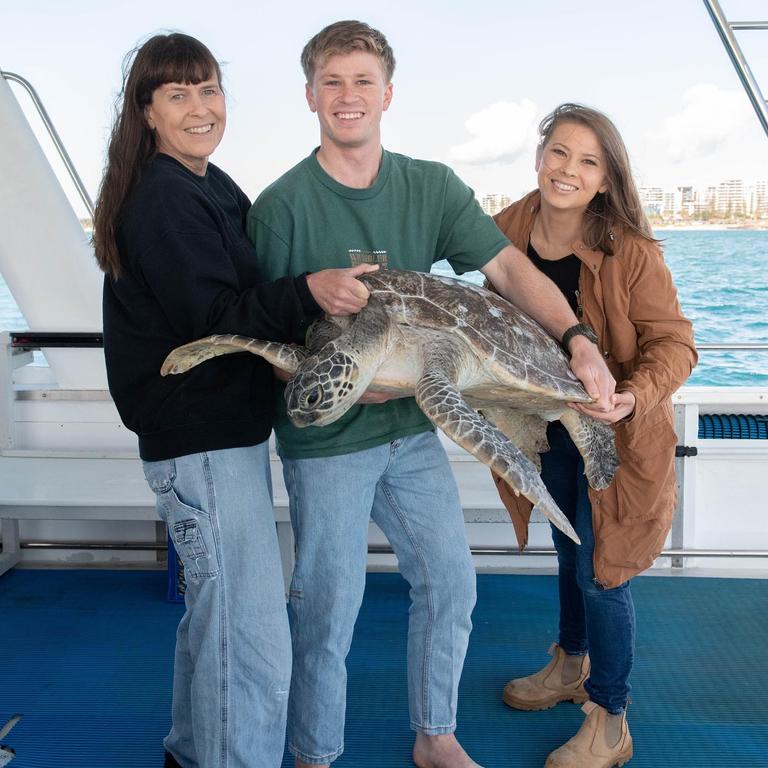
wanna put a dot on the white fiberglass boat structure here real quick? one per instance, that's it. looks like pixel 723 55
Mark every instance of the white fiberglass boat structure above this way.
pixel 71 485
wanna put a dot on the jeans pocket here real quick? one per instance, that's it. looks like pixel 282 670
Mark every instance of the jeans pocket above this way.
pixel 193 535
pixel 191 529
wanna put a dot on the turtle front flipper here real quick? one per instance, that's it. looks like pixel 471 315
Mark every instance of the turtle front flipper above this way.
pixel 284 356
pixel 440 398
pixel 597 446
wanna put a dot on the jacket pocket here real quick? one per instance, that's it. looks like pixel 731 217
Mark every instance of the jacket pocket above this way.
pixel 645 481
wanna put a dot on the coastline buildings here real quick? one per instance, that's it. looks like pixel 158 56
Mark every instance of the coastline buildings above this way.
pixel 492 204
pixel 731 201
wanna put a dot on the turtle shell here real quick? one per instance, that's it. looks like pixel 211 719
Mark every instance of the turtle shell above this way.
pixel 512 348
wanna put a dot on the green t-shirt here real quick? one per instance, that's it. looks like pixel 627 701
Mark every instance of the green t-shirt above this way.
pixel 415 213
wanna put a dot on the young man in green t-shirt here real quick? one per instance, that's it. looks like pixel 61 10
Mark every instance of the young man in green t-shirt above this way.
pixel 351 201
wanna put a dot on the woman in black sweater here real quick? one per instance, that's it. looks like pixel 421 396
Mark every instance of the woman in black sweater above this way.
pixel 169 234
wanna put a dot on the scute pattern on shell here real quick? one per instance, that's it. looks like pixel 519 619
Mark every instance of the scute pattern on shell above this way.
pixel 512 347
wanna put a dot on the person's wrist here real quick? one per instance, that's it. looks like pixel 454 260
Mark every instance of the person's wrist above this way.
pixel 577 335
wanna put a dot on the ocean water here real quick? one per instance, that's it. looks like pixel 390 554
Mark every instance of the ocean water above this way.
pixel 722 285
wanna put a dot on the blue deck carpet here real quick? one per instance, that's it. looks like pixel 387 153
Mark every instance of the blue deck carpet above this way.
pixel 85 657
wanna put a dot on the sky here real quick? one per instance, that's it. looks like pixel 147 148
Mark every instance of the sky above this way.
pixel 472 80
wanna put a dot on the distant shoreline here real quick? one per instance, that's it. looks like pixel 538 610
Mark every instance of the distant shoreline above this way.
pixel 702 227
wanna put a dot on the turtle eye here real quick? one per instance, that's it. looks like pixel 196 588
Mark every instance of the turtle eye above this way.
pixel 313 397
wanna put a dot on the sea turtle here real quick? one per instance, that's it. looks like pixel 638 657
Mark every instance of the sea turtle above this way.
pixel 480 369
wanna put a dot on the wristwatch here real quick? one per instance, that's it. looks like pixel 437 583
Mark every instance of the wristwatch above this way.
pixel 580 329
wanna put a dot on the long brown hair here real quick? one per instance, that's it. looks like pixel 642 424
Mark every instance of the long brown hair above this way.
pixel 619 206
pixel 172 58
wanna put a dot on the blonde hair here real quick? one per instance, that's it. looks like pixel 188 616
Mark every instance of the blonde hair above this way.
pixel 343 37
pixel 619 206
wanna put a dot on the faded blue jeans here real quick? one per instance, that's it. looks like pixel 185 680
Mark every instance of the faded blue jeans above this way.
pixel 233 649
pixel 407 487
pixel 592 618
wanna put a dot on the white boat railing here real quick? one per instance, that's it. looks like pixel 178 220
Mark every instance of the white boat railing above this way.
pixel 65 457
pixel 55 138
pixel 726 29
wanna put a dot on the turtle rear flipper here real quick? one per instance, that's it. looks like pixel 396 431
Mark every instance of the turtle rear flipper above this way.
pixel 284 356
pixel 597 446
pixel 442 402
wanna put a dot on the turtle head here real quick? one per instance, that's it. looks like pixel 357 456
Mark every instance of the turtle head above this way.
pixel 326 386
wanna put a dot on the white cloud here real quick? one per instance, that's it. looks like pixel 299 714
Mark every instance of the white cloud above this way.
pixel 500 134
pixel 710 117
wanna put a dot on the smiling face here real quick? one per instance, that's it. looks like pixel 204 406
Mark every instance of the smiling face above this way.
pixel 571 167
pixel 349 94
pixel 188 121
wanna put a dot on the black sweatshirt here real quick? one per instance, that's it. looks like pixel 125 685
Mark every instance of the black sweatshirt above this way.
pixel 188 270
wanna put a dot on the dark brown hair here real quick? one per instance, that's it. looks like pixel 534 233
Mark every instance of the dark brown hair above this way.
pixel 619 206
pixel 172 58
pixel 343 37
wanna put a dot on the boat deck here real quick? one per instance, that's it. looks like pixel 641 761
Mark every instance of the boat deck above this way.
pixel 87 658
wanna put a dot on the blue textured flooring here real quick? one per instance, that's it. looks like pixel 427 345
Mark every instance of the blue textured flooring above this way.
pixel 85 657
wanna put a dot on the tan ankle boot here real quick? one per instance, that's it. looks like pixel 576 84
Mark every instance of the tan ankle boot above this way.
pixel 546 688
pixel 589 748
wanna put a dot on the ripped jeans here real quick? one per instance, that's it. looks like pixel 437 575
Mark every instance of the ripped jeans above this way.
pixel 233 647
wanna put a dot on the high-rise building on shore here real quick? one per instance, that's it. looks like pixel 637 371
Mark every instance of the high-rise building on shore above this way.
pixel 492 204
pixel 730 199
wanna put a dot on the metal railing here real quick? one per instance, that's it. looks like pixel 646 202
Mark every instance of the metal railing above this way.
pixel 731 346
pixel 386 549
pixel 725 29
pixel 55 138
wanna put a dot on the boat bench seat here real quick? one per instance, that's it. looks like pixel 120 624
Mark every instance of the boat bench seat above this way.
pixel 67 485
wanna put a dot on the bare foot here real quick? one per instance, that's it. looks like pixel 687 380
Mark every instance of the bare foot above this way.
pixel 442 751
pixel 301 764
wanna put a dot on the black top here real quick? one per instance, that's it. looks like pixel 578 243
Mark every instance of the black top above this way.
pixel 188 270
pixel 564 273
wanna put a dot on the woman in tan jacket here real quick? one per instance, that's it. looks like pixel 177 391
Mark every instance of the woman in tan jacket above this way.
pixel 584 227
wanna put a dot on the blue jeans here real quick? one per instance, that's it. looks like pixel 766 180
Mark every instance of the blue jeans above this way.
pixel 592 619
pixel 407 487
pixel 233 648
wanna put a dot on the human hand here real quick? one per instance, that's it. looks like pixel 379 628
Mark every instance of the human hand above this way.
pixel 590 368
pixel 337 291
pixel 622 405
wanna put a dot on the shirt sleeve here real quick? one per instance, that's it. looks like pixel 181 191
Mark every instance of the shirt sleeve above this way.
pixel 469 238
pixel 273 250
pixel 194 278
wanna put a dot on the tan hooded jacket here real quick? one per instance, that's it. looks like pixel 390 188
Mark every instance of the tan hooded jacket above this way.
pixel 631 302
